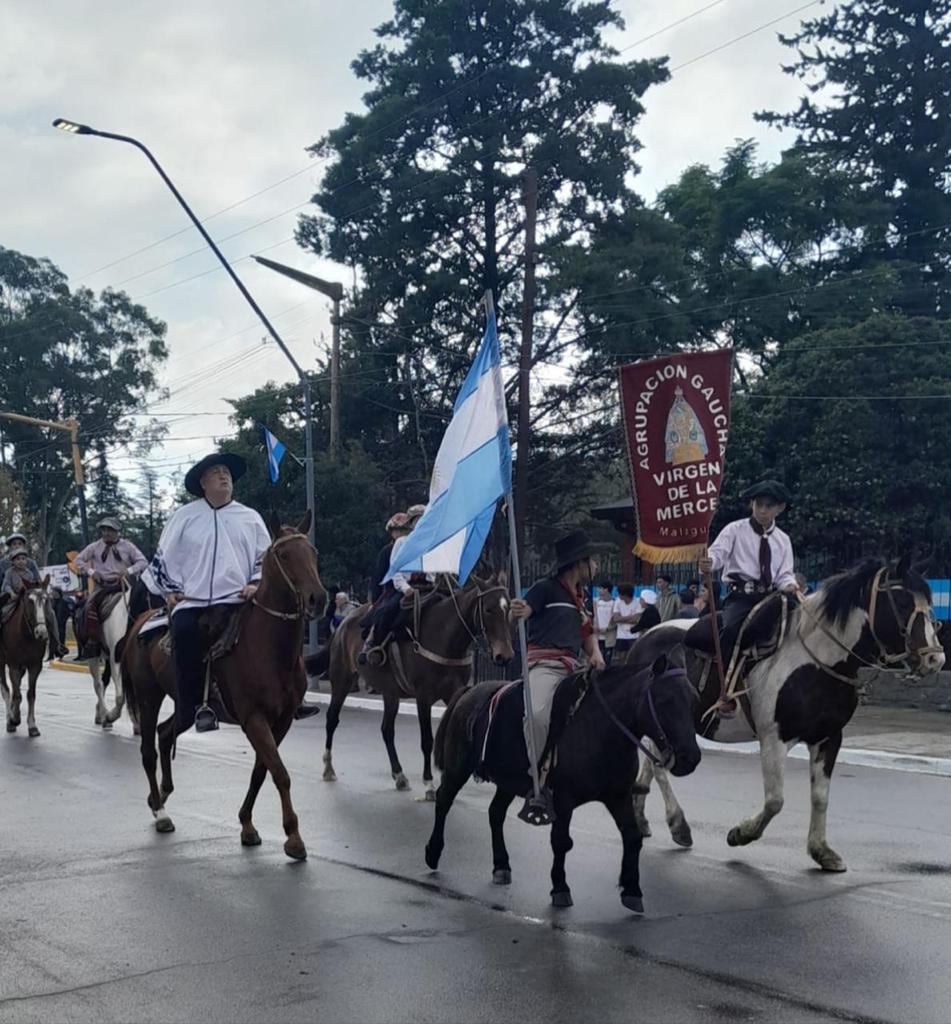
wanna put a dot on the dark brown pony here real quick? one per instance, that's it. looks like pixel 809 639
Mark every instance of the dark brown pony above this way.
pixel 24 638
pixel 436 667
pixel 261 680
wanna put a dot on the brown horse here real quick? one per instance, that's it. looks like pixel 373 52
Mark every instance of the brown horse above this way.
pixel 435 666
pixel 24 638
pixel 261 680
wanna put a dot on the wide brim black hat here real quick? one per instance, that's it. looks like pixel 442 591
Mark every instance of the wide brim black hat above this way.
pixel 572 548
pixel 768 489
pixel 235 463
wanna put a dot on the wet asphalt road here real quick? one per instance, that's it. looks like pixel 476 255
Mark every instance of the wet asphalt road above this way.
pixel 102 919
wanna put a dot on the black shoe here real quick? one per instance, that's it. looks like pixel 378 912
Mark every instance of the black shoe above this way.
pixel 362 658
pixel 205 719
pixel 306 711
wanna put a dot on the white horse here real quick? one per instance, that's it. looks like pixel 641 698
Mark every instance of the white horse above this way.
pixel 807 691
pixel 114 628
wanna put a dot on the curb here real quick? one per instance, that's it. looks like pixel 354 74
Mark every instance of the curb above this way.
pixel 858 757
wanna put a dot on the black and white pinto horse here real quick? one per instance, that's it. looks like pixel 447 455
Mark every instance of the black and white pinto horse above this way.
pixel 872 616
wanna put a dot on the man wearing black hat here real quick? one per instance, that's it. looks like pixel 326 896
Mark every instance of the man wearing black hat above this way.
pixel 754 557
pixel 210 553
pixel 559 629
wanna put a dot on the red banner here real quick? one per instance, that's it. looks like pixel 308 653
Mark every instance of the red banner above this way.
pixel 676 412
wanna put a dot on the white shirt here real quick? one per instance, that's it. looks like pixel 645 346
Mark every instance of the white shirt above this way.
pixel 208 554
pixel 603 610
pixel 736 551
pixel 625 630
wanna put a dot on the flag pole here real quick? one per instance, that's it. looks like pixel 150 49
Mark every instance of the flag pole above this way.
pixel 522 637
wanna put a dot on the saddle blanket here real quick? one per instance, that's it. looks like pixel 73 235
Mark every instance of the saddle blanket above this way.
pixel 158 620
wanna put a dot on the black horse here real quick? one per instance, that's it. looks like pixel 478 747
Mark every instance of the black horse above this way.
pixel 595 757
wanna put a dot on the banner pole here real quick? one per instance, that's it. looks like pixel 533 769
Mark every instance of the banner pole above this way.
pixel 522 636
pixel 717 651
pixel 523 651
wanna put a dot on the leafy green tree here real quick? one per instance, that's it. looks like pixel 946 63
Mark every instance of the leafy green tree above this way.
pixel 878 108
pixel 353 501
pixel 68 354
pixel 422 197
pixel 854 419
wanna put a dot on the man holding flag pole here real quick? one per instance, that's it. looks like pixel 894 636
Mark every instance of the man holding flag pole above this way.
pixel 473 470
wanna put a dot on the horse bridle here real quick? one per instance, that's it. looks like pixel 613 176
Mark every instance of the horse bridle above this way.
pixel 658 760
pixel 440 659
pixel 885 658
pixel 35 596
pixel 921 609
pixel 271 551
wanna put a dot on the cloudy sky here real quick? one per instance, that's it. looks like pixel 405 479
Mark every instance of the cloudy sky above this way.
pixel 228 95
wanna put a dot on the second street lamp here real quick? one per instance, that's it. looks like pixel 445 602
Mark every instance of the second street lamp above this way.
pixel 75 128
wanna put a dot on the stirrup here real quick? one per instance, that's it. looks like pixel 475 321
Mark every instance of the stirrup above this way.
pixel 538 810
pixel 375 656
pixel 205 719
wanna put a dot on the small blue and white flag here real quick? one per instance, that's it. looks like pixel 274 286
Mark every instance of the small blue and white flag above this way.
pixel 473 470
pixel 275 452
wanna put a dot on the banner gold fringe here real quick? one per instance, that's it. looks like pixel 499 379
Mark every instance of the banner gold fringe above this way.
pixel 659 556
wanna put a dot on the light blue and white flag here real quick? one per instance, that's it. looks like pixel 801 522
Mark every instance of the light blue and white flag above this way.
pixel 473 470
pixel 275 452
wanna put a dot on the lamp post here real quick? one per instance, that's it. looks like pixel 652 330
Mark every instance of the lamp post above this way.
pixel 74 128
pixel 334 291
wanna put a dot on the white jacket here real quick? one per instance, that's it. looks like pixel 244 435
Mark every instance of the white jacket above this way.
pixel 209 554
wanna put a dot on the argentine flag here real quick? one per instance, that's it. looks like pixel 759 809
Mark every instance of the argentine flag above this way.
pixel 473 470
pixel 275 452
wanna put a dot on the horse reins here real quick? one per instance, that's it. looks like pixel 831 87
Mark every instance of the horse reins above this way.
pixel 285 616
pixel 440 659
pixel 885 658
pixel 666 750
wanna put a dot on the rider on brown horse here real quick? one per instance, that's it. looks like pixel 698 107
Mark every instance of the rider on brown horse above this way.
pixel 382 619
pixel 108 561
pixel 15 580
pixel 16 548
pixel 209 555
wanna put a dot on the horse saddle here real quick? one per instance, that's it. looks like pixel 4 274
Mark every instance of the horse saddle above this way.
pixel 759 634
pixel 108 604
pixel 496 734
pixel 221 625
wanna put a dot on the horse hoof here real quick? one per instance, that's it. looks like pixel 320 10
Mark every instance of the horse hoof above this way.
pixel 11 727
pixel 644 828
pixel 164 824
pixel 106 725
pixel 402 783
pixel 34 732
pixel 502 876
pixel 98 719
pixel 633 903
pixel 432 857
pixel 681 834
pixel 562 899
pixel 828 860
pixel 735 837
pixel 252 838
pixel 136 731
pixel 295 849
pixel 330 775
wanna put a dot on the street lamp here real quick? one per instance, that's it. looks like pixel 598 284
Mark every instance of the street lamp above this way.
pixel 75 128
pixel 334 291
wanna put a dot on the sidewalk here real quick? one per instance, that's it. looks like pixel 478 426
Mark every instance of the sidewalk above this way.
pixel 906 732
pixel 900 731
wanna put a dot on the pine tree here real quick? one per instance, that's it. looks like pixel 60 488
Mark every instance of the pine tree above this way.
pixel 878 107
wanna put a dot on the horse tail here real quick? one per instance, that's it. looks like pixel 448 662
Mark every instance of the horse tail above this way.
pixel 439 744
pixel 318 662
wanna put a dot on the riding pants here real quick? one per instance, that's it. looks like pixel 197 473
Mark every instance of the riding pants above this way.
pixel 736 607
pixel 543 676
pixel 190 644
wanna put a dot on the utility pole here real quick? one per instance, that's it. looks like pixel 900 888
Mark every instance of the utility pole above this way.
pixel 335 377
pixel 68 426
pixel 530 198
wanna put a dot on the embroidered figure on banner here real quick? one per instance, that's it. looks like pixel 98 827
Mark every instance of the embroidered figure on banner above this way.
pixel 685 439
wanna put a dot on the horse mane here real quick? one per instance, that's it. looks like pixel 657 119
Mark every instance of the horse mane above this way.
pixel 843 594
